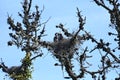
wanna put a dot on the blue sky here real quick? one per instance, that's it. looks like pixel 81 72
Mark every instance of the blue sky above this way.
pixel 60 11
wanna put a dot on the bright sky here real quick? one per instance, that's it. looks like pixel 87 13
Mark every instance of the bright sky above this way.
pixel 60 11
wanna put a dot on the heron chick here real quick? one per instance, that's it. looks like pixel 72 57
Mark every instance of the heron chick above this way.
pixel 65 46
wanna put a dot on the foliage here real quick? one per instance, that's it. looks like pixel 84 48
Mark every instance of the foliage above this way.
pixel 26 36
pixel 62 47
